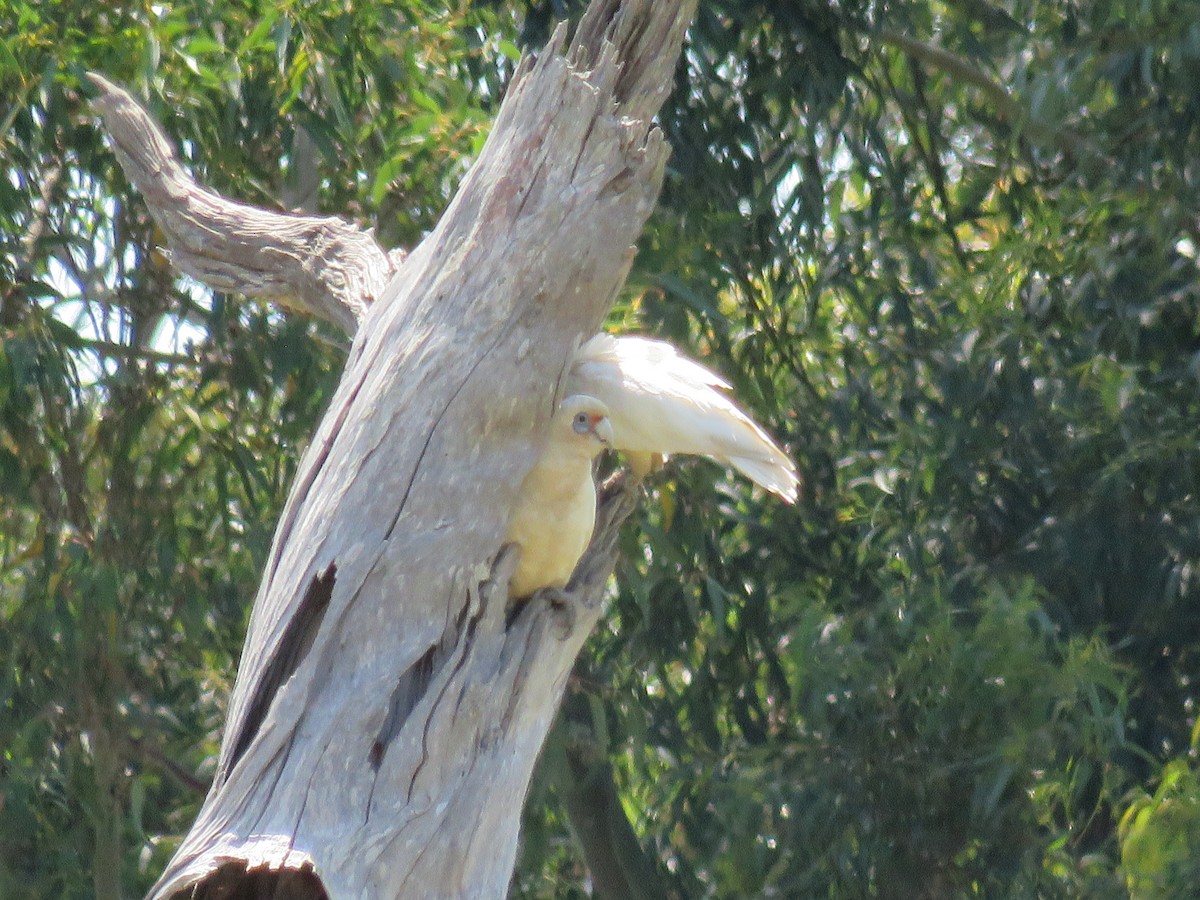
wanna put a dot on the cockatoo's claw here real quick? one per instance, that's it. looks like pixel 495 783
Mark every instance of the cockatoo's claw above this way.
pixel 559 604
pixel 562 610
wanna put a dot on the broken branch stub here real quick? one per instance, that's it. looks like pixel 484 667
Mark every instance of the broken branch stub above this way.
pixel 386 716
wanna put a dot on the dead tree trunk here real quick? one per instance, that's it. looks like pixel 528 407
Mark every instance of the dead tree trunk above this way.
pixel 386 719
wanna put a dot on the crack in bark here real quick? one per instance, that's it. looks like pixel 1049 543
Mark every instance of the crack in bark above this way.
pixel 535 181
pixel 300 489
pixel 411 687
pixel 519 678
pixel 285 751
pixel 583 148
pixel 307 791
pixel 466 641
pixel 290 652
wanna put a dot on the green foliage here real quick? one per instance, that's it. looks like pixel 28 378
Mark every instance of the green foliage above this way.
pixel 1159 834
pixel 971 311
pixel 947 253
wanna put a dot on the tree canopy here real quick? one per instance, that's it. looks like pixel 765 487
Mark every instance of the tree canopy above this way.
pixel 945 251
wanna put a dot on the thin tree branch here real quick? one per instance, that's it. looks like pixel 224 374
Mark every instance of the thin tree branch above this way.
pixel 117 350
pixel 153 755
pixel 1007 107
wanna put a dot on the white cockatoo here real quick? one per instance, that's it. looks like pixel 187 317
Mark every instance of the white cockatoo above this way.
pixel 556 508
pixel 662 403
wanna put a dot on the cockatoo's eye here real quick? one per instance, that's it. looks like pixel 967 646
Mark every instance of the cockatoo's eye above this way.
pixel 582 423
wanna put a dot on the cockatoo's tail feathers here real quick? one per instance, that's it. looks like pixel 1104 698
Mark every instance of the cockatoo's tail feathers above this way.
pixel 661 402
pixel 773 478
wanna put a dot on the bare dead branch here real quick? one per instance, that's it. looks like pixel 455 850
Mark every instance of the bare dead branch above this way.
pixel 318 265
pixel 629 30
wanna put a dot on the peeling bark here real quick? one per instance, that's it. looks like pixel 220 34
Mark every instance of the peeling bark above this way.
pixel 388 711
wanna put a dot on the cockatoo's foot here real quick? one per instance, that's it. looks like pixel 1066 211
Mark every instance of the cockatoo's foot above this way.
pixel 562 610
pixel 619 482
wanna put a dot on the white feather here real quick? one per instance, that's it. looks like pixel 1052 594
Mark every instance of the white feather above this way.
pixel 662 403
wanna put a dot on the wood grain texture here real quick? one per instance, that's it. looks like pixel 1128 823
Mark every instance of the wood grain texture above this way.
pixel 386 718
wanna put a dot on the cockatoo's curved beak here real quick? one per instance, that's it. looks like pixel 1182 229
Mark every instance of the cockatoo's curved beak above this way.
pixel 603 430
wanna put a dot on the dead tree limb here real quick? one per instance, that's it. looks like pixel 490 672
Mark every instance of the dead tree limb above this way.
pixel 386 718
pixel 319 265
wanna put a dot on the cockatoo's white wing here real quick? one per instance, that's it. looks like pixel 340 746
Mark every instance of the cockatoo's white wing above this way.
pixel 661 403
pixel 556 509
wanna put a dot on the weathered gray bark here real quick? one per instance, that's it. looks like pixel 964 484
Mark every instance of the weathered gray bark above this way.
pixel 386 716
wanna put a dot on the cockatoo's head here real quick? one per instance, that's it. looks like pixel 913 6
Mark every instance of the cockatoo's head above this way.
pixel 582 422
